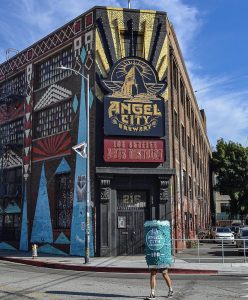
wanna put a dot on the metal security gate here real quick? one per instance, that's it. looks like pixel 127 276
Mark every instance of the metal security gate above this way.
pixel 131 209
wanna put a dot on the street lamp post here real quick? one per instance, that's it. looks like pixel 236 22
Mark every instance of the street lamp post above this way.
pixel 87 156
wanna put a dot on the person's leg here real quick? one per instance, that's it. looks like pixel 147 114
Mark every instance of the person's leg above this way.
pixel 152 283
pixel 168 282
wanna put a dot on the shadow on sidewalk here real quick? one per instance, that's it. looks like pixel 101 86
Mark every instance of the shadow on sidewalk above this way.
pixel 97 295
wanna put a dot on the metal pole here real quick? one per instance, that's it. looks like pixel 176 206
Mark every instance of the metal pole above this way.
pixel 129 3
pixel 222 250
pixel 87 232
pixel 198 250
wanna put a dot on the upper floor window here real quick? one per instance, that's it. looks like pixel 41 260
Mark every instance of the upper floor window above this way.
pixel 175 75
pixel 47 71
pixel 133 42
pixel 183 133
pixel 182 93
pixel 188 106
pixel 185 186
pixel 176 124
pixel 14 86
pixel 12 132
pixel 53 120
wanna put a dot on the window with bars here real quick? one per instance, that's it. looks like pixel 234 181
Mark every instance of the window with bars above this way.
pixel 14 86
pixel 12 132
pixel 63 201
pixel 133 39
pixel 53 120
pixel 47 72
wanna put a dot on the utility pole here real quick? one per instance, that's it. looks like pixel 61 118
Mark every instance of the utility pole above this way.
pixel 129 3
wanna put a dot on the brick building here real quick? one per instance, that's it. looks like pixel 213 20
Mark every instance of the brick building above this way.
pixel 150 152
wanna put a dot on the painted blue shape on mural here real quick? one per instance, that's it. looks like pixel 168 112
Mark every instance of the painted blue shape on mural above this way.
pixel 79 199
pixel 42 231
pixel 91 98
pixel 75 104
pixel 63 167
pixel 62 239
pixel 51 250
pixel 24 226
pixel 83 55
pixel 5 246
pixel 12 208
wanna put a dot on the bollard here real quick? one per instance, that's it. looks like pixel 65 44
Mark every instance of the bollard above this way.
pixel 34 251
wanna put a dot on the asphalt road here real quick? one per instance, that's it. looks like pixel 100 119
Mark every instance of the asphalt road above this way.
pixel 27 282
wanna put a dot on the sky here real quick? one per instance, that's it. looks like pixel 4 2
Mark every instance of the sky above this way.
pixel 212 35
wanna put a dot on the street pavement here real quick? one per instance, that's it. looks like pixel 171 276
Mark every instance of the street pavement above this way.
pixel 22 282
pixel 121 264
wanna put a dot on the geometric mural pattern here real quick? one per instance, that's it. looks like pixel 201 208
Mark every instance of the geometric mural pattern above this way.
pixel 54 94
pixel 52 146
pixel 10 160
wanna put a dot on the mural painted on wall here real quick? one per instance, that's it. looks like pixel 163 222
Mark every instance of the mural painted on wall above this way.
pixel 134 106
pixel 52 146
pixel 42 226
pixel 78 225
pixel 120 34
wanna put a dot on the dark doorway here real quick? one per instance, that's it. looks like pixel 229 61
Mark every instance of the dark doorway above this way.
pixel 131 215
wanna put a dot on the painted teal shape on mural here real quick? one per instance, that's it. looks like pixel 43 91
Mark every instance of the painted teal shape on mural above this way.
pixel 75 104
pixel 63 167
pixel 24 225
pixel 91 97
pixel 42 231
pixel 62 239
pixel 12 208
pixel 83 55
pixel 78 224
pixel 5 246
pixel 51 250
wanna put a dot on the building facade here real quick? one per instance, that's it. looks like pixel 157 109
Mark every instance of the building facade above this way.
pixel 149 150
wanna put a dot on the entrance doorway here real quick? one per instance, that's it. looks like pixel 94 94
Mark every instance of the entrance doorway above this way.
pixel 131 215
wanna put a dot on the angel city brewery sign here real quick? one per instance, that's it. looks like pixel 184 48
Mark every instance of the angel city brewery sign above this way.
pixel 133 106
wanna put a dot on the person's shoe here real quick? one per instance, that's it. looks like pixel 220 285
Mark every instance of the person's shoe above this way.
pixel 151 297
pixel 170 294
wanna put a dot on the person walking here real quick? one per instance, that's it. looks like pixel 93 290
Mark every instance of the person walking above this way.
pixel 167 279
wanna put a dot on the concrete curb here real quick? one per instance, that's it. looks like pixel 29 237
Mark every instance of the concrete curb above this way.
pixel 88 268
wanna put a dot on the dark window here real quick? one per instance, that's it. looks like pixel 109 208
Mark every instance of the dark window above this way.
pixel 53 120
pixel 12 132
pixel 47 71
pixel 182 93
pixel 133 43
pixel 183 136
pixel 185 188
pixel 14 86
pixel 175 75
pixel 192 118
pixel 189 146
pixel 12 182
pixel 193 153
pixel 176 123
pixel 190 188
pixel 63 201
pixel 188 106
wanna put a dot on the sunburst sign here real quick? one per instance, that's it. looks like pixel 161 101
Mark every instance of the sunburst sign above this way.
pixel 133 104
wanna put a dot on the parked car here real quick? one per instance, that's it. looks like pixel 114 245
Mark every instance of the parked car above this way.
pixel 223 233
pixel 242 240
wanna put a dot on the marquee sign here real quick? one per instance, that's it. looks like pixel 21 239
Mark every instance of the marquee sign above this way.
pixel 127 150
pixel 133 106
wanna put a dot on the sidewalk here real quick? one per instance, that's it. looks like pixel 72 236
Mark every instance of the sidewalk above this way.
pixel 120 264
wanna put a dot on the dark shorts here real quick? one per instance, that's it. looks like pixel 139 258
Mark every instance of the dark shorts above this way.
pixel 162 270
